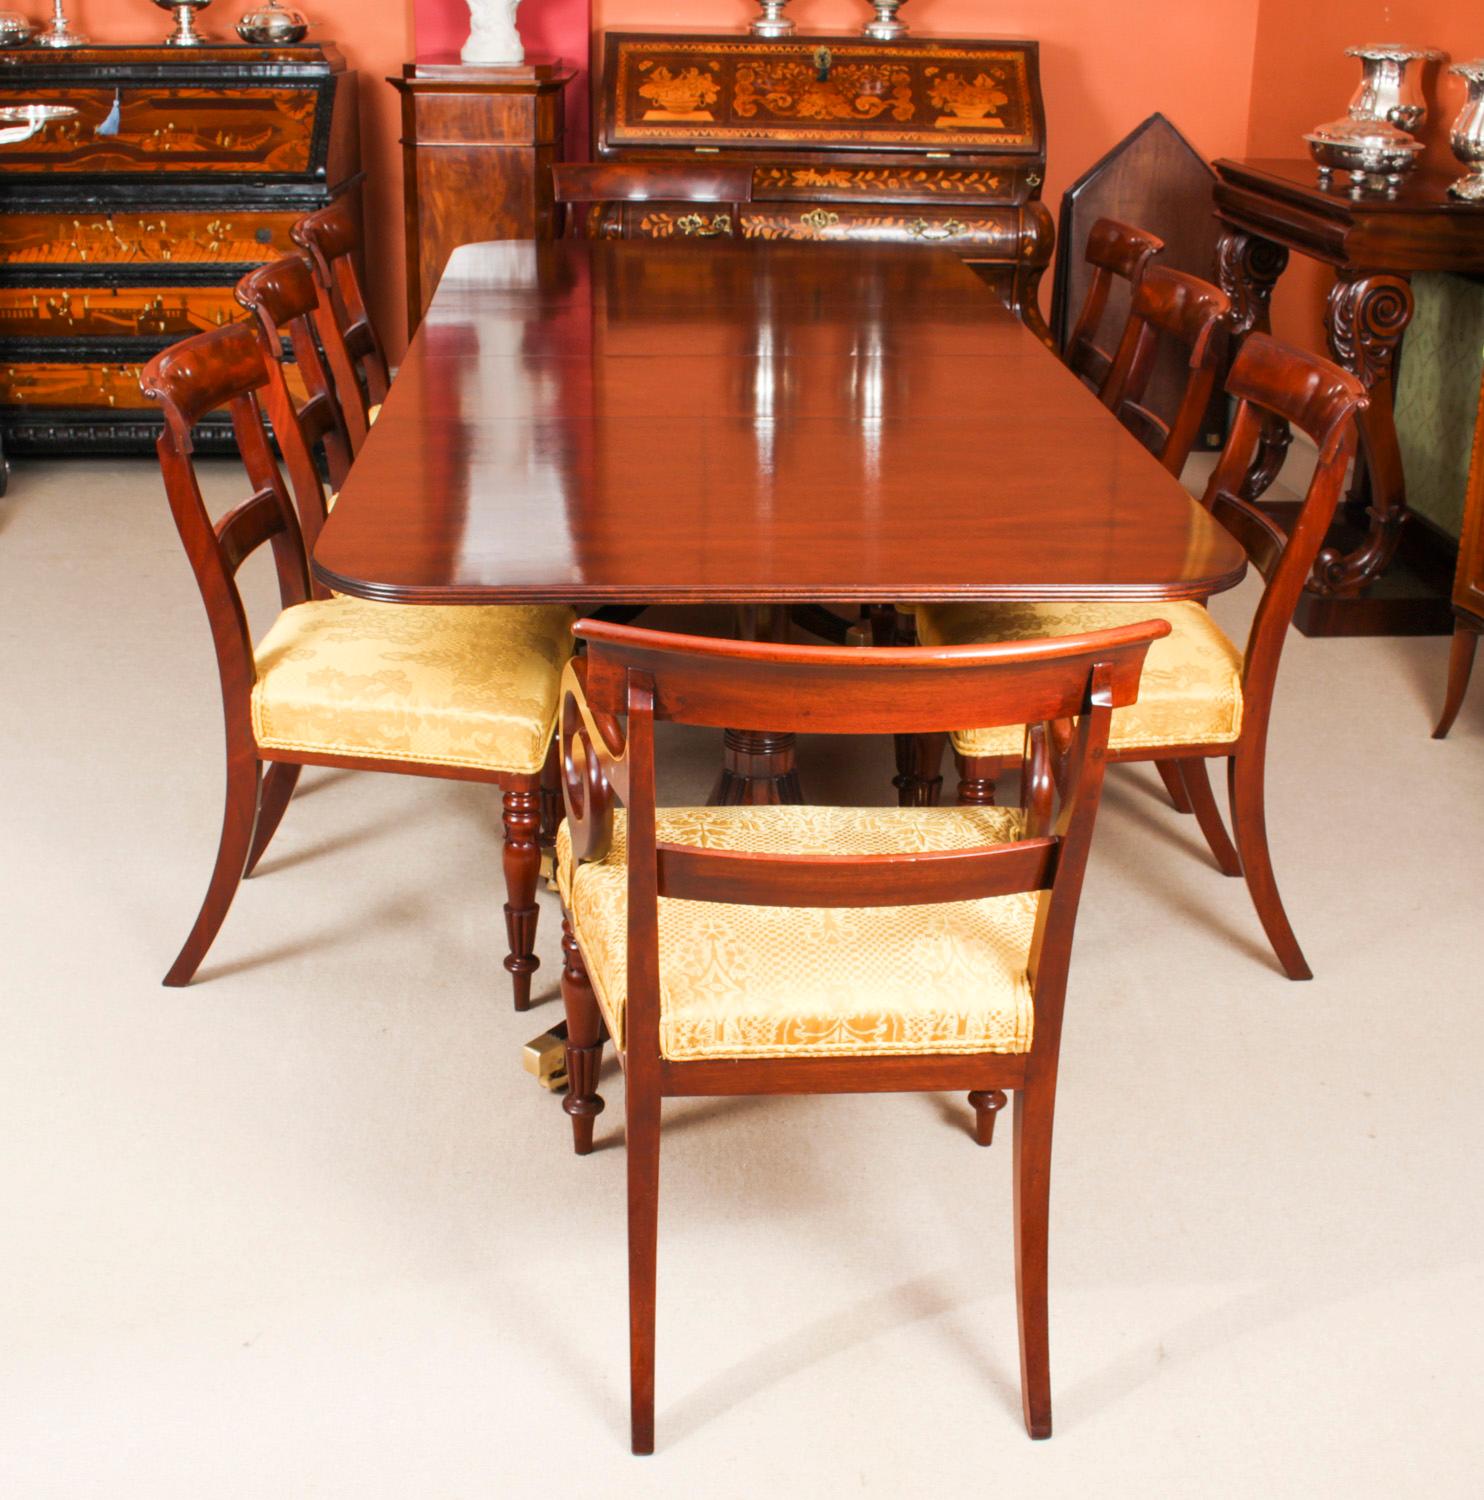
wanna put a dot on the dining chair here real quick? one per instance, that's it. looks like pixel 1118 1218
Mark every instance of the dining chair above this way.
pixel 466 693
pixel 597 199
pixel 802 950
pixel 1166 304
pixel 331 237
pixel 1113 250
pixel 1181 309
pixel 300 396
pixel 1202 698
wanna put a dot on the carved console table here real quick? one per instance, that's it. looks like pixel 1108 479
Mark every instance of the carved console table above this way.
pixel 126 227
pixel 920 141
pixel 1380 573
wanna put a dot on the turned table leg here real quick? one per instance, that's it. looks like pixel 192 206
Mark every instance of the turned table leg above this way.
pixel 1364 322
pixel 757 764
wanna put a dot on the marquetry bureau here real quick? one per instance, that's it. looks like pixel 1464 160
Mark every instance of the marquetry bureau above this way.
pixel 126 227
pixel 919 141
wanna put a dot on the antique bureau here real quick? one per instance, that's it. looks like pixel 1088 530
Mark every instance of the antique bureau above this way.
pixel 919 141
pixel 126 227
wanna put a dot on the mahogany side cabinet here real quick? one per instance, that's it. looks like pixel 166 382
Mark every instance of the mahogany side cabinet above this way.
pixel 478 146
pixel 126 226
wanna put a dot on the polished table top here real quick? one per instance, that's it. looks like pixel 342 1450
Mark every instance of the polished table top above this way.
pixel 627 422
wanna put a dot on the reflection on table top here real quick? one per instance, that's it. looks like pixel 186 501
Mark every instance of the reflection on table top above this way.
pixel 636 421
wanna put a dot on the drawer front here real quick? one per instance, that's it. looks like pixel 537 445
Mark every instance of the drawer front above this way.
pixel 821 93
pixel 159 238
pixel 894 184
pixel 991 234
pixel 174 130
pixel 168 313
pixel 107 386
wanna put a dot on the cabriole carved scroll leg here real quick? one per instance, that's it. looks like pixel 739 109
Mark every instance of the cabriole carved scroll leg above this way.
pixel 522 816
pixel 1365 319
pixel 585 1036
pixel 1248 268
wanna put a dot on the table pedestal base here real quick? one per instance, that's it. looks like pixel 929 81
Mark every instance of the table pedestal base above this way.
pixel 757 770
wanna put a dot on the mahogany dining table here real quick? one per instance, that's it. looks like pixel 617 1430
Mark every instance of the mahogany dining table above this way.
pixel 752 424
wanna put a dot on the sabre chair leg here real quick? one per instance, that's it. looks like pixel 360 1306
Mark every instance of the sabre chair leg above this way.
pixel 1169 773
pixel 1196 783
pixel 1460 665
pixel 1034 1108
pixel 1249 824
pixel 278 786
pixel 243 778
pixel 987 1105
pixel 976 781
pixel 585 1036
pixel 919 778
pixel 643 1143
pixel 522 818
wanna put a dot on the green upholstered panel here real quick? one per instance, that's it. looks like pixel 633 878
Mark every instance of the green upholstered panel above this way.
pixel 1437 395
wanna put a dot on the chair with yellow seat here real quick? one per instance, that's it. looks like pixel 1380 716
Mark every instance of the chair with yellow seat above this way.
pixel 331 237
pixel 1202 697
pixel 301 397
pixel 463 693
pixel 766 950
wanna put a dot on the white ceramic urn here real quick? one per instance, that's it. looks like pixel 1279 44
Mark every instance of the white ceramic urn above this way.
pixel 492 34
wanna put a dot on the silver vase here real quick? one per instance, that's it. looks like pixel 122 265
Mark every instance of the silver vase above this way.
pixel 1467 135
pixel 886 27
pixel 1386 90
pixel 772 22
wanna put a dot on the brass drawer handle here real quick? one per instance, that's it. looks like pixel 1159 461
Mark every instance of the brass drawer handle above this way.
pixel 700 227
pixel 920 229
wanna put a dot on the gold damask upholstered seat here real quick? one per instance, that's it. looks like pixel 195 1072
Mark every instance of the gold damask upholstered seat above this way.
pixel 1190 693
pixel 762 981
pixel 444 685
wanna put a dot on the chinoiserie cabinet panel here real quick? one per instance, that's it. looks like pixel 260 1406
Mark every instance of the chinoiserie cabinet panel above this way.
pixel 127 226
pixel 920 141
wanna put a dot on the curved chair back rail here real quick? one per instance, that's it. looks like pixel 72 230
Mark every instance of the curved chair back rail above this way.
pixel 1114 250
pixel 1192 313
pixel 332 239
pixel 283 299
pixel 592 195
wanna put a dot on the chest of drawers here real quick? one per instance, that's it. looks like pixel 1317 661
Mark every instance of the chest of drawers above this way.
pixel 125 227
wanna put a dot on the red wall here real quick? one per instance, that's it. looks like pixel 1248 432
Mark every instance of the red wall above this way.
pixel 1301 78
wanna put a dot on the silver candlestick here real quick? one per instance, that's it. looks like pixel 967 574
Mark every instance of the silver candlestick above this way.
pixel 772 22
pixel 1467 135
pixel 60 32
pixel 886 27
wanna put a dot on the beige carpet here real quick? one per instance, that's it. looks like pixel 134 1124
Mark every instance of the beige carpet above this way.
pixel 306 1229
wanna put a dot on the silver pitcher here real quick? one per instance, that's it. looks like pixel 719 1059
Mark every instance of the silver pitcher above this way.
pixel 1386 90
pixel 1467 135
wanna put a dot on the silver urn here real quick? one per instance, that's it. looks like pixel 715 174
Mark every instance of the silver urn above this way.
pixel 185 33
pixel 1388 92
pixel 271 26
pixel 1467 135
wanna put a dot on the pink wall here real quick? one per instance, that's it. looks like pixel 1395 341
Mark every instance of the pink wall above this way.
pixel 1301 78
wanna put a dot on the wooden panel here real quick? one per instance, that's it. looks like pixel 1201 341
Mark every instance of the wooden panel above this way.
pixel 904 183
pixel 1468 584
pixel 982 232
pixel 1155 179
pixel 457 119
pixel 83 385
pixel 820 92
pixel 174 130
pixel 230 236
pixel 114 312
